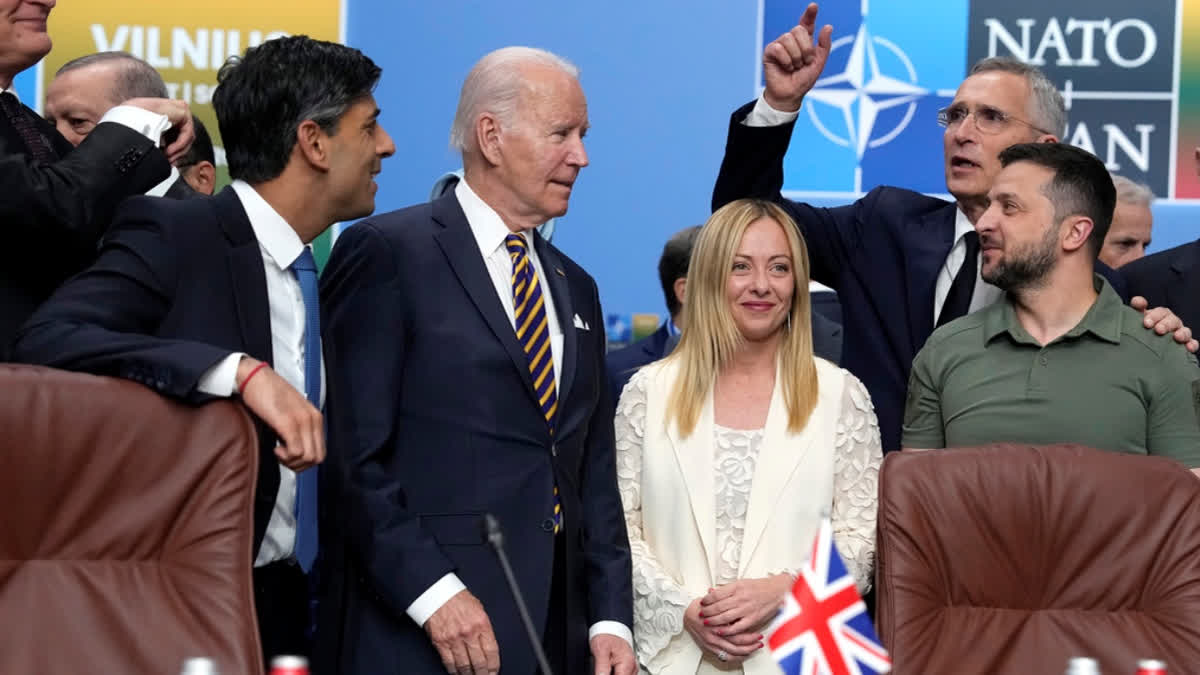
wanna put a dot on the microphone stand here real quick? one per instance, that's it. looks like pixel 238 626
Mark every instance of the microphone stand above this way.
pixel 496 539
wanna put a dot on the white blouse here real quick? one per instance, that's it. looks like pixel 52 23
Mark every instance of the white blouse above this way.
pixel 659 601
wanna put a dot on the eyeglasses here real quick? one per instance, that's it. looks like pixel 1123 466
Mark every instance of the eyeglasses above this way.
pixel 988 120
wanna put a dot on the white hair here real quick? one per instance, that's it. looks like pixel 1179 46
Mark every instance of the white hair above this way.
pixel 494 85
pixel 1132 192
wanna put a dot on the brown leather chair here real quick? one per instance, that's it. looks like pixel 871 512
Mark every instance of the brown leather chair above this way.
pixel 1011 559
pixel 125 531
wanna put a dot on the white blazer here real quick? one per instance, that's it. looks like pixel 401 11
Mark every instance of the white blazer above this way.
pixel 792 485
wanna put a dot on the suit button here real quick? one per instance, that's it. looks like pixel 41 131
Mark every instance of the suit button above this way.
pixel 548 525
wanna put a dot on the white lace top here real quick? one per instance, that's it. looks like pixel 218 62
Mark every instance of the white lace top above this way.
pixel 659 602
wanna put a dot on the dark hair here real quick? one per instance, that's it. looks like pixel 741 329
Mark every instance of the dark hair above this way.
pixel 1081 185
pixel 674 263
pixel 262 98
pixel 136 79
pixel 201 150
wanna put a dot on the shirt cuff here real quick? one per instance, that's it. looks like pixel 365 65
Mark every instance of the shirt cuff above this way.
pixel 220 379
pixel 611 628
pixel 432 599
pixel 763 115
pixel 149 124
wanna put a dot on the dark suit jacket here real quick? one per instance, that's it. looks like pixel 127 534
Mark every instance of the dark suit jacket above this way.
pixel 178 286
pixel 433 422
pixel 52 216
pixel 622 363
pixel 181 190
pixel 1169 278
pixel 881 254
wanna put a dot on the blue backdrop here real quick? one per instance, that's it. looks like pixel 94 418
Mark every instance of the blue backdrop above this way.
pixel 661 79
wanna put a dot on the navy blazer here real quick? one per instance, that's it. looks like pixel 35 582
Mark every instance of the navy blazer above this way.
pixel 433 422
pixel 178 286
pixel 1169 278
pixel 624 362
pixel 53 215
pixel 881 254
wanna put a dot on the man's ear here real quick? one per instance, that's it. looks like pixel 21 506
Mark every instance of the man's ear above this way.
pixel 202 176
pixel 487 137
pixel 1078 230
pixel 680 289
pixel 313 143
pixel 1047 138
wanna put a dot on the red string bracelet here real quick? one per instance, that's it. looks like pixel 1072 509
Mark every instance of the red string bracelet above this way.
pixel 242 389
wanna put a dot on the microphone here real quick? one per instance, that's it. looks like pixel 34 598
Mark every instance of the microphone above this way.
pixel 491 529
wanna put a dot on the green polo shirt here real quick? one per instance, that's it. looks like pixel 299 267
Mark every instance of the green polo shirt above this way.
pixel 1108 383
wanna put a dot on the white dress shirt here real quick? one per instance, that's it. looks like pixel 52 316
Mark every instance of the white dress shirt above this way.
pixel 149 124
pixel 763 115
pixel 280 246
pixel 489 230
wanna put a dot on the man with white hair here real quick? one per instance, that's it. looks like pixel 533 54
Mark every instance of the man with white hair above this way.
pixel 1129 235
pixel 470 382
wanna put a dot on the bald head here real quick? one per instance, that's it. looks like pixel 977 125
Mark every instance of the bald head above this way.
pixel 85 88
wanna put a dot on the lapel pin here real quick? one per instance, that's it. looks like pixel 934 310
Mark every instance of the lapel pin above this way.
pixel 560 272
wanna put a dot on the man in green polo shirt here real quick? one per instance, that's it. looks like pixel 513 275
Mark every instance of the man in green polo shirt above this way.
pixel 1061 359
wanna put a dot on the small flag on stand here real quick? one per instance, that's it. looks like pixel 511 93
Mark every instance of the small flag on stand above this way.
pixel 823 628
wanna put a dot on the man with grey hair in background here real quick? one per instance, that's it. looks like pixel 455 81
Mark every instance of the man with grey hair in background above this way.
pixel 470 399
pixel 86 88
pixel 902 263
pixel 1129 235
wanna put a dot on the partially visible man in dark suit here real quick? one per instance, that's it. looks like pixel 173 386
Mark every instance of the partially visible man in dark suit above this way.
pixel 84 89
pixel 198 167
pixel 1170 277
pixel 57 201
pixel 216 297
pixel 622 363
pixel 471 381
pixel 902 263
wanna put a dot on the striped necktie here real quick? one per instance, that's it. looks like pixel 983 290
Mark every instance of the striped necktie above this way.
pixel 533 332
pixel 38 145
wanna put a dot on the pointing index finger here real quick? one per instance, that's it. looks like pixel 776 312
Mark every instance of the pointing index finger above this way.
pixel 809 20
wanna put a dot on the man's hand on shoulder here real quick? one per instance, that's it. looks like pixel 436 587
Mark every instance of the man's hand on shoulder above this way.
pixel 794 61
pixel 462 634
pixel 297 422
pixel 1162 321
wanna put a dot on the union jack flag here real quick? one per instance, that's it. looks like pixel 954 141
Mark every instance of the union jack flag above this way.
pixel 823 628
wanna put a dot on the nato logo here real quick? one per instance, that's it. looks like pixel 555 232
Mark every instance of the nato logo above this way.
pixel 871 118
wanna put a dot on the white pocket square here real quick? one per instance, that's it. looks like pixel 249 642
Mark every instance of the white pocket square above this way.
pixel 580 323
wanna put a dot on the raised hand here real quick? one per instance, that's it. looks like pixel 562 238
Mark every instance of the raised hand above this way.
pixel 794 61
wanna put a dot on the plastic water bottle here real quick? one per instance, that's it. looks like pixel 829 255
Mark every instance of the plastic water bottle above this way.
pixel 1081 665
pixel 1151 667
pixel 199 666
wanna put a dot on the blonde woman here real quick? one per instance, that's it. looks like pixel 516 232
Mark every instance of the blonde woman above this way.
pixel 730 449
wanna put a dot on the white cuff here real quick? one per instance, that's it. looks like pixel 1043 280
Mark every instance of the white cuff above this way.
pixel 432 599
pixel 611 628
pixel 220 380
pixel 149 124
pixel 763 115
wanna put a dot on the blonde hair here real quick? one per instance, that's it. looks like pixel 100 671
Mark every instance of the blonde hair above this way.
pixel 710 338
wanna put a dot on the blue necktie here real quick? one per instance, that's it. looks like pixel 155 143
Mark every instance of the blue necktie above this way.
pixel 305 269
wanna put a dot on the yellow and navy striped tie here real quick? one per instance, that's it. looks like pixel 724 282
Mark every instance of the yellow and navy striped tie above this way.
pixel 533 332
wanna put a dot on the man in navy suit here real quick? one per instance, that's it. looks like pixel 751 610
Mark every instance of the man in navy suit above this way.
pixel 470 381
pixel 216 297
pixel 622 363
pixel 901 262
pixel 1170 277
